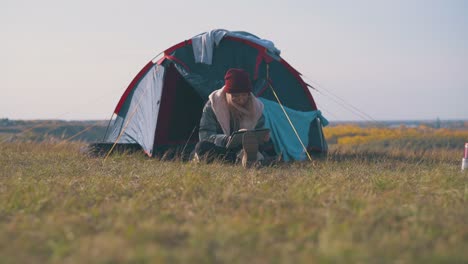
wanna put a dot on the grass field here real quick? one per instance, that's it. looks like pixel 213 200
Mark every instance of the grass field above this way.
pixel 374 203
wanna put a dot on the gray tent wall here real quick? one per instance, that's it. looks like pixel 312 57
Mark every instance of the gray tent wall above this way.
pixel 137 119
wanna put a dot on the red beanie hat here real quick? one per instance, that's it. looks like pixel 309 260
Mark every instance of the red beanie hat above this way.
pixel 237 81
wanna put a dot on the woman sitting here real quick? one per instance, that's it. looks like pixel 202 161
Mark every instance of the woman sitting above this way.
pixel 229 109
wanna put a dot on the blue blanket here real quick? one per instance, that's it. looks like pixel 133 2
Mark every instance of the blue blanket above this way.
pixel 282 134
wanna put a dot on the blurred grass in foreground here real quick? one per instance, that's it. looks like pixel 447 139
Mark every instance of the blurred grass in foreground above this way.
pixel 366 203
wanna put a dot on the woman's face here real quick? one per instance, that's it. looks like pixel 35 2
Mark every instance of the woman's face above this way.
pixel 240 98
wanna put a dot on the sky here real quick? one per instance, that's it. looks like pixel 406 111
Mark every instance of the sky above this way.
pixel 381 60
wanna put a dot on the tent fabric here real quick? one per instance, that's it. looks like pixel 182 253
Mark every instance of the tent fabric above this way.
pixel 269 45
pixel 162 106
pixel 282 134
pixel 203 44
pixel 233 54
pixel 138 120
pixel 132 85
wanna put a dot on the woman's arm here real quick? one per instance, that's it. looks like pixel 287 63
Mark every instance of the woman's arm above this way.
pixel 210 129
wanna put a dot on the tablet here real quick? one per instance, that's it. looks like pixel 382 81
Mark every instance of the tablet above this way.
pixel 236 137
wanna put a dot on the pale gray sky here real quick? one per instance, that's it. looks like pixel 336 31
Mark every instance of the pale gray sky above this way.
pixel 391 59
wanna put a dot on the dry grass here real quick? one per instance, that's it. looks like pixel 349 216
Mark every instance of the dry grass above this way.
pixel 57 205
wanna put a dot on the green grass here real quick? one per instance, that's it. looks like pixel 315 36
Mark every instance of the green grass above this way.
pixel 57 205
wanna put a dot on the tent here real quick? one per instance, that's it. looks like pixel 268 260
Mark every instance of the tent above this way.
pixel 161 108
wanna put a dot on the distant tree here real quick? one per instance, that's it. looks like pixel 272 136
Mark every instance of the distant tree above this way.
pixel 4 122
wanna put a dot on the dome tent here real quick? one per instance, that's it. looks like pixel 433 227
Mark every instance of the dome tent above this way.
pixel 162 106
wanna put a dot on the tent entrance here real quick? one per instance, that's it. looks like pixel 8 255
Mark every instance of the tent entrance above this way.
pixel 180 112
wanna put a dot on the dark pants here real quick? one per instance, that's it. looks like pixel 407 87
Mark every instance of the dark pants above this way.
pixel 209 152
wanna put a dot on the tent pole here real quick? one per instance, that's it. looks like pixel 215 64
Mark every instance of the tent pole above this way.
pixel 285 113
pixel 108 125
pixel 186 143
pixel 126 125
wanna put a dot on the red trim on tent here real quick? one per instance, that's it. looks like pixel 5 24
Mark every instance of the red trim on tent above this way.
pixel 132 85
pixel 174 59
pixel 262 56
pixel 169 51
pixel 258 61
